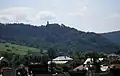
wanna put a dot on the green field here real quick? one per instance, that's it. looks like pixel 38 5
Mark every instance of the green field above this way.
pixel 17 49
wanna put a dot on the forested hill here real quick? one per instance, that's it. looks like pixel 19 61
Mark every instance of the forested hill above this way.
pixel 54 35
pixel 113 36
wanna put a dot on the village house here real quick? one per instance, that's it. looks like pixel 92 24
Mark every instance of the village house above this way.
pixel 61 60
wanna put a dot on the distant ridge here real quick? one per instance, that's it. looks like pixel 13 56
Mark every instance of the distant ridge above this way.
pixel 61 37
pixel 113 36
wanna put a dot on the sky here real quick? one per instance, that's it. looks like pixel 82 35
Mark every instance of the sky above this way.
pixel 86 15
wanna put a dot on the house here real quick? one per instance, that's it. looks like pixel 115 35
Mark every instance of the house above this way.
pixel 61 60
pixel 113 56
pixel 115 68
pixel 104 68
pixel 1 58
pixel 80 68
pixel 90 61
pixel 5 65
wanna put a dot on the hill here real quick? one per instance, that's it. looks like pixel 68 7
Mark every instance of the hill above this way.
pixel 61 37
pixel 17 49
pixel 113 36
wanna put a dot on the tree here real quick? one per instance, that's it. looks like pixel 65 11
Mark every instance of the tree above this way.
pixel 29 52
pixel 51 55
pixel 15 61
pixel 117 52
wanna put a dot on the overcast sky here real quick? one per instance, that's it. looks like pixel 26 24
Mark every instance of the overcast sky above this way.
pixel 86 15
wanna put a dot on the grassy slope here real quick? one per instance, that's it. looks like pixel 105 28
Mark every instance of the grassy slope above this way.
pixel 16 48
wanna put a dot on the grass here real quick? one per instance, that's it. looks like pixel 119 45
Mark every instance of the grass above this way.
pixel 17 49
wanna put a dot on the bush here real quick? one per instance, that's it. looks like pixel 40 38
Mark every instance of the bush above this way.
pixel 13 47
pixel 8 50
pixel 6 45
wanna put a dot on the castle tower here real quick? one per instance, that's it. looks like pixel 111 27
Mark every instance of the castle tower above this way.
pixel 47 22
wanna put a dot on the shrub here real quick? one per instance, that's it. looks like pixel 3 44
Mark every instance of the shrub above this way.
pixel 13 47
pixel 8 50
pixel 6 45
